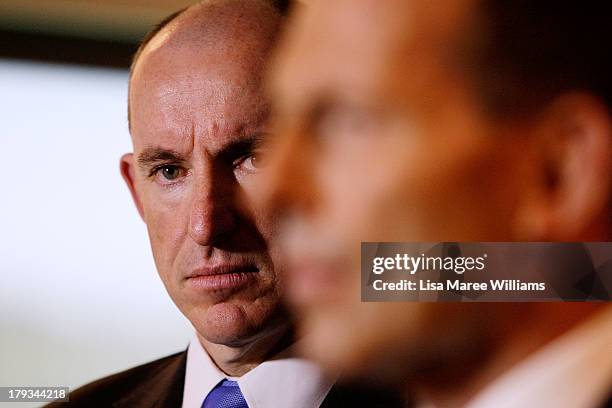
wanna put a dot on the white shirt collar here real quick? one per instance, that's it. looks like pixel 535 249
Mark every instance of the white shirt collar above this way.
pixel 573 371
pixel 283 381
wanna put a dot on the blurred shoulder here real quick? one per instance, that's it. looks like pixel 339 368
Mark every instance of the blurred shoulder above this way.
pixel 158 382
pixel 361 395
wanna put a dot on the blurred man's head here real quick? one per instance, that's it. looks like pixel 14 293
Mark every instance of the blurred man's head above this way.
pixel 433 121
pixel 197 115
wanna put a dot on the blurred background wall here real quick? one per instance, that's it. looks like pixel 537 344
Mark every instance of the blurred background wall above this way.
pixel 79 295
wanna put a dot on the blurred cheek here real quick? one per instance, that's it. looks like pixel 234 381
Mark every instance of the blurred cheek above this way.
pixel 394 190
pixel 405 191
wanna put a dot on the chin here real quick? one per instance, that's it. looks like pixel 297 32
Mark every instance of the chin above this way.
pixel 324 340
pixel 233 324
pixel 358 350
pixel 223 323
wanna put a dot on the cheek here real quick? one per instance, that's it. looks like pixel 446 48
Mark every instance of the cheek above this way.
pixel 361 188
pixel 166 221
pixel 398 189
pixel 263 221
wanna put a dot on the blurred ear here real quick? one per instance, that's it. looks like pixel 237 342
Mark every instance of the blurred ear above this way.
pixel 128 174
pixel 572 141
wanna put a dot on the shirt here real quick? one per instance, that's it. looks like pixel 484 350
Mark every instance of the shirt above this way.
pixel 282 381
pixel 574 371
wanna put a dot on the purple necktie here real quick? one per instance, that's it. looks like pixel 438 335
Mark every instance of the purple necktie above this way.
pixel 226 394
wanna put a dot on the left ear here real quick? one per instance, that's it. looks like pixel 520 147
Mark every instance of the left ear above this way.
pixel 574 139
pixel 128 172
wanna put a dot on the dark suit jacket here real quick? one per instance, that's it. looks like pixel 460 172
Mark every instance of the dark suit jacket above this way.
pixel 160 384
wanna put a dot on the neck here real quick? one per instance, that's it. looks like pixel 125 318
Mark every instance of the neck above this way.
pixel 514 342
pixel 236 361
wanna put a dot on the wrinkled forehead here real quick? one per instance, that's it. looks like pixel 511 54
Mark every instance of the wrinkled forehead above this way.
pixel 221 71
pixel 357 41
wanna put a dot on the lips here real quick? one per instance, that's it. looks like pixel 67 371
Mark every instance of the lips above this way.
pixel 222 277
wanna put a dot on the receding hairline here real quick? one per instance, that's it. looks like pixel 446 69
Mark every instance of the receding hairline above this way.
pixel 283 8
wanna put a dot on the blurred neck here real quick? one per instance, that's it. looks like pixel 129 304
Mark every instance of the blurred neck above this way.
pixel 513 343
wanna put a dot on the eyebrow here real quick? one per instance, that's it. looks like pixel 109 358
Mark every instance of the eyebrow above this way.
pixel 241 147
pixel 153 155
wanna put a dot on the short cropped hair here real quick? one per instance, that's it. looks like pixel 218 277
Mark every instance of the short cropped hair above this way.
pixel 152 33
pixel 528 52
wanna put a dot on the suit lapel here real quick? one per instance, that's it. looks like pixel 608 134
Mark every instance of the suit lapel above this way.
pixel 341 396
pixel 161 388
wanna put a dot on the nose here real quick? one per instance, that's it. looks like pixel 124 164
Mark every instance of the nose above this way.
pixel 288 181
pixel 212 215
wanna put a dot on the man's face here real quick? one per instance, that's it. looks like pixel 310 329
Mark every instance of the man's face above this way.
pixel 381 139
pixel 197 116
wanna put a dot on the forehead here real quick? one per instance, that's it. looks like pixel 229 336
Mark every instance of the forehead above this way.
pixel 360 43
pixel 201 74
